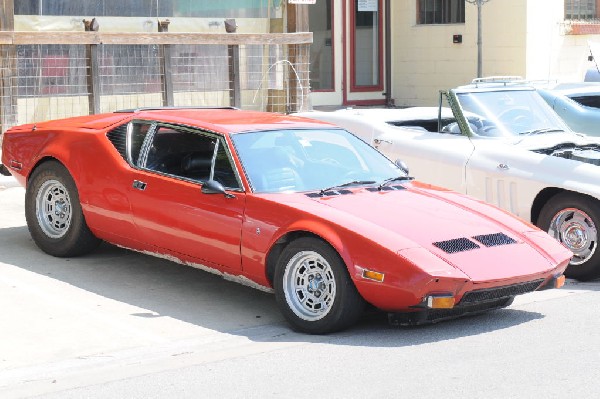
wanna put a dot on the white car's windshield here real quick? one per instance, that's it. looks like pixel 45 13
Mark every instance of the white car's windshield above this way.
pixel 509 113
pixel 309 160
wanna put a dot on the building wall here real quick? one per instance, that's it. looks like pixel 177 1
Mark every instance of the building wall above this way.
pixel 426 60
pixel 527 38
pixel 553 52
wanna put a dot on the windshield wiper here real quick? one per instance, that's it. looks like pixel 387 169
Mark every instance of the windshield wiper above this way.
pixel 540 131
pixel 392 179
pixel 350 183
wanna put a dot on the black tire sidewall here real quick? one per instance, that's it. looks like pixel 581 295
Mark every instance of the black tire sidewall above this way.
pixel 591 268
pixel 78 239
pixel 348 305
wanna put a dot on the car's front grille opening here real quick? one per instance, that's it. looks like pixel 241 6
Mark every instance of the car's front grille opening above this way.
pixel 494 240
pixel 456 245
pixel 500 292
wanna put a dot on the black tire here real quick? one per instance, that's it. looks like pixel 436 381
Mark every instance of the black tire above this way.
pixel 311 270
pixel 579 215
pixel 53 213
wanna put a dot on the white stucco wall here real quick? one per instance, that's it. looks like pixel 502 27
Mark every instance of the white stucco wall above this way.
pixel 425 60
pixel 553 53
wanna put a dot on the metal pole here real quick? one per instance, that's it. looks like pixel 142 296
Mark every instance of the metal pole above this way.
pixel 479 41
pixel 389 102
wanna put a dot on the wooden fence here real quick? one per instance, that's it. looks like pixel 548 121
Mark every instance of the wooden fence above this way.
pixel 48 75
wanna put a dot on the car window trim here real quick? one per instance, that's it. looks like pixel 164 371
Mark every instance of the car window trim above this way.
pixel 155 125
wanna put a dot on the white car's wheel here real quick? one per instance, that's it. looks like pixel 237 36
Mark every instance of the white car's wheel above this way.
pixel 313 288
pixel 574 220
pixel 53 212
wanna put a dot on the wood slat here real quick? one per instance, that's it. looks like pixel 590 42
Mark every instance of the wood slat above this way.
pixel 153 38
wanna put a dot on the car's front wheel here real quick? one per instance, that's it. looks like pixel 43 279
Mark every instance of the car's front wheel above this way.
pixel 574 220
pixel 313 288
pixel 53 212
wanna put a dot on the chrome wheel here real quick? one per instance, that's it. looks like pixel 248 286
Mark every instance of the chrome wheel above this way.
pixel 53 209
pixel 309 285
pixel 577 231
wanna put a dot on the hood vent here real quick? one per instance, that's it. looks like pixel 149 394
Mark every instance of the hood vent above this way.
pixel 465 244
pixel 385 188
pixel 329 193
pixel 456 245
pixel 494 240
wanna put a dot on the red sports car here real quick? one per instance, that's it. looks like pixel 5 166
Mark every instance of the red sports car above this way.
pixel 281 203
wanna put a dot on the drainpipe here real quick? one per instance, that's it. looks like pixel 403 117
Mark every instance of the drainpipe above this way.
pixel 389 101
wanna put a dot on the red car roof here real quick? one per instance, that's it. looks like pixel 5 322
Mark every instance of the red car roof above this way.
pixel 229 120
pixel 218 120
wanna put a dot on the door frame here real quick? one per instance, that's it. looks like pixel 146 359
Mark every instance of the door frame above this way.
pixel 348 71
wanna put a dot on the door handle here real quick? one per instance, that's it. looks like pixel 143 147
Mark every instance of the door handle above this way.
pixel 379 141
pixel 140 185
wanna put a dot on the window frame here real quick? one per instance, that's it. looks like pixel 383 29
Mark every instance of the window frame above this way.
pixel 333 49
pixel 145 148
pixel 354 87
pixel 445 4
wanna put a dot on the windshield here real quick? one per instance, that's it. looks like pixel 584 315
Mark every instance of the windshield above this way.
pixel 509 113
pixel 309 160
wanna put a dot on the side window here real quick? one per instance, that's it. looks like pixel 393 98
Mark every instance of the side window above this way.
pixel 190 155
pixel 448 123
pixel 224 172
pixel 137 135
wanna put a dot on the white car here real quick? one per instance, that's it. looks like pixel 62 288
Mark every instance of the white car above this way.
pixel 578 104
pixel 502 144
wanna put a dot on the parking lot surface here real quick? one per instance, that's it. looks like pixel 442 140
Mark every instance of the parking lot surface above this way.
pixel 122 324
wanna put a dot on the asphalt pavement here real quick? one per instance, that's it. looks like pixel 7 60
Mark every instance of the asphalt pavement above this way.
pixel 119 324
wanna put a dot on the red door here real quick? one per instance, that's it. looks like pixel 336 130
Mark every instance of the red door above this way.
pixel 173 214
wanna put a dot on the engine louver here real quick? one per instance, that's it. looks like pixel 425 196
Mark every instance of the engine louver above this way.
pixel 456 245
pixel 494 240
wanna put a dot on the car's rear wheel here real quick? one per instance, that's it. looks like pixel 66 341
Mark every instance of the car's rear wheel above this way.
pixel 574 220
pixel 313 288
pixel 53 212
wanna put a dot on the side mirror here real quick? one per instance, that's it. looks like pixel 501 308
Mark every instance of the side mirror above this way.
pixel 4 170
pixel 214 187
pixel 402 165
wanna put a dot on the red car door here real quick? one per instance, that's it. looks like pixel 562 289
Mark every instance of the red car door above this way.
pixel 168 206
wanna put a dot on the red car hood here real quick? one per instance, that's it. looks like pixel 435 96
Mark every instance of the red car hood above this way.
pixel 444 223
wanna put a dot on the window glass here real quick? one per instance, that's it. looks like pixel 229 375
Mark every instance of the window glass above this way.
pixel 311 159
pixel 366 45
pixel 150 8
pixel 321 51
pixel 223 172
pixel 190 155
pixel 441 11
pixel 139 131
pixel 580 9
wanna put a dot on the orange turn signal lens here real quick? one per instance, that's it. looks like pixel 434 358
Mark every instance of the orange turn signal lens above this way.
pixel 559 281
pixel 373 275
pixel 440 301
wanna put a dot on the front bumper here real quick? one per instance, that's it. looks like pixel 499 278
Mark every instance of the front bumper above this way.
pixel 473 302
